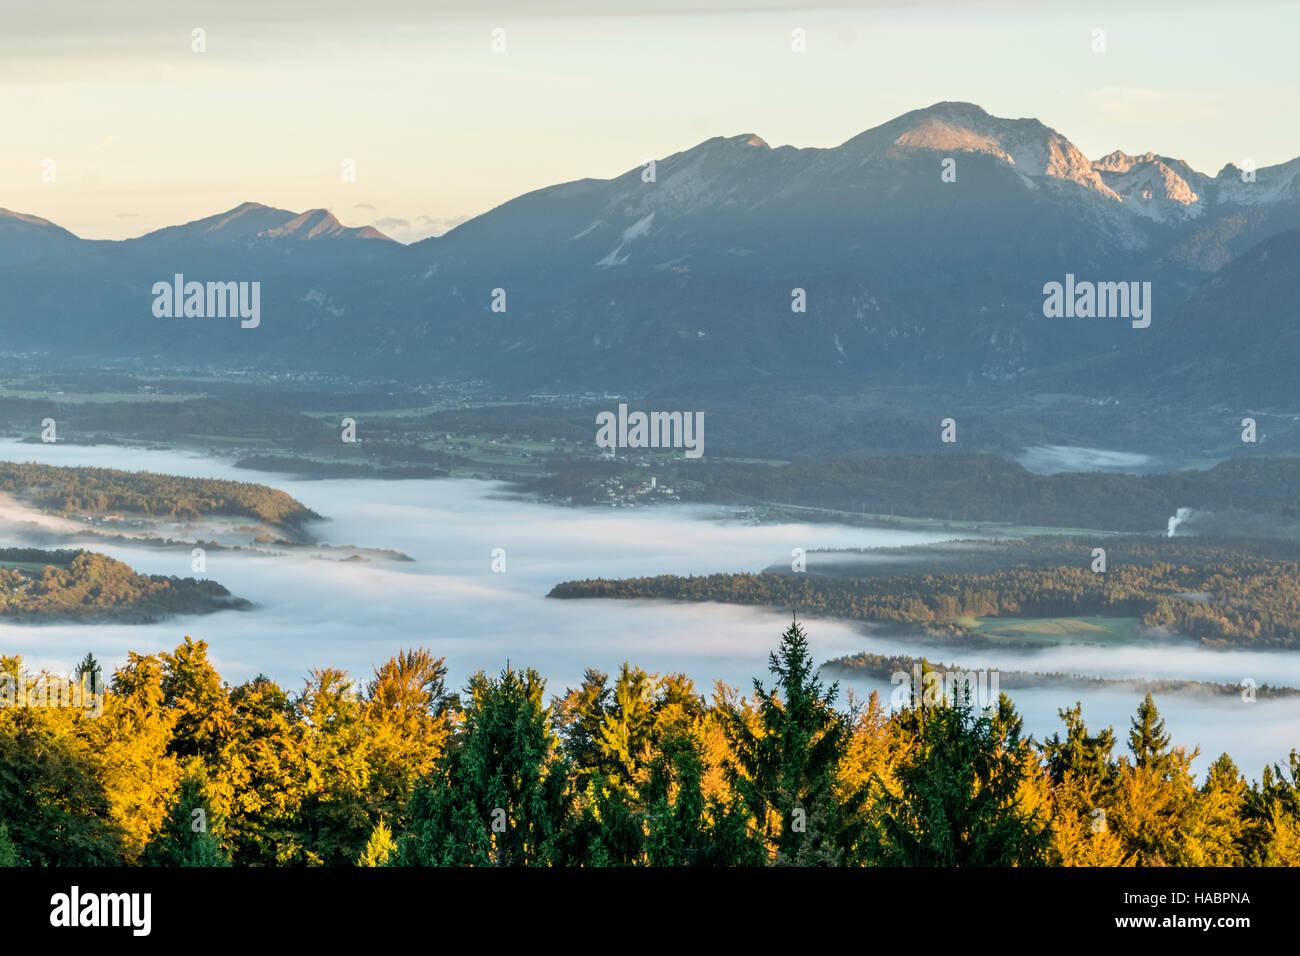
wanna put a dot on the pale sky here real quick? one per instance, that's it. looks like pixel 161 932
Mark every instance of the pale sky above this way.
pixel 145 133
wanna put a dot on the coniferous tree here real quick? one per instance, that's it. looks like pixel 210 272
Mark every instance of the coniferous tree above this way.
pixel 1271 816
pixel 730 839
pixel 499 797
pixel 786 765
pixel 578 716
pixel 1087 756
pixel 1148 740
pixel 624 737
pixel 1215 834
pixel 959 801
pixel 191 834
pixel 676 820
pixel 1155 798
pixel 91 674
pixel 604 829
pixel 1083 775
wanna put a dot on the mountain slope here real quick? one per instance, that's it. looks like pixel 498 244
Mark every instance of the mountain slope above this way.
pixel 252 221
pixel 1238 337
pixel 24 237
pixel 688 273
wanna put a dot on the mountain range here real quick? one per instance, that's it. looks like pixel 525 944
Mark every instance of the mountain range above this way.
pixel 922 247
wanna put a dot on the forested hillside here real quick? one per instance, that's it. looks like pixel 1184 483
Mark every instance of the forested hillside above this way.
pixel 83 489
pixel 1245 603
pixel 84 586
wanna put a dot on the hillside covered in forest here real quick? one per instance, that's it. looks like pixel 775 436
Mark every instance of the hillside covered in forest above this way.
pixel 44 586
pixel 1220 595
pixel 72 490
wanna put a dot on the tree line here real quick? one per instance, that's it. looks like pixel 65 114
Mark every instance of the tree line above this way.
pixel 68 490
pixel 1249 603
pixel 886 666
pixel 81 585
pixel 184 770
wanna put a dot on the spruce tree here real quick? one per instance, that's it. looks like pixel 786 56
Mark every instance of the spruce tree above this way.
pixel 92 674
pixel 1271 816
pixel 623 739
pixel 1087 756
pixel 675 821
pixel 190 835
pixel 578 716
pixel 786 769
pixel 1148 740
pixel 499 797
pixel 602 830
pixel 959 797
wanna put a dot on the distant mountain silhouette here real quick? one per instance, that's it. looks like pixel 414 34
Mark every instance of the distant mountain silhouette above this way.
pixel 253 221
pixel 686 272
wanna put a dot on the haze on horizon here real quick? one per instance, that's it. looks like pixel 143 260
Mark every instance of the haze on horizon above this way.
pixel 146 133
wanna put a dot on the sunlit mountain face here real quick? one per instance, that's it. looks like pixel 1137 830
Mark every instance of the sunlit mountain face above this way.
pixel 920 248
pixel 643 433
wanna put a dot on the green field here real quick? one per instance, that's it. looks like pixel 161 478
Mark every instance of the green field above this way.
pixel 1058 630
pixel 29 566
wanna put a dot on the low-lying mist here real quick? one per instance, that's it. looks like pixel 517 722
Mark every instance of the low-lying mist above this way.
pixel 316 612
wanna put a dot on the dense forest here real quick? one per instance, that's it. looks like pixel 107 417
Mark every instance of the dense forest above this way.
pixel 887 666
pixel 81 489
pixel 1252 602
pixel 183 770
pixel 79 585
